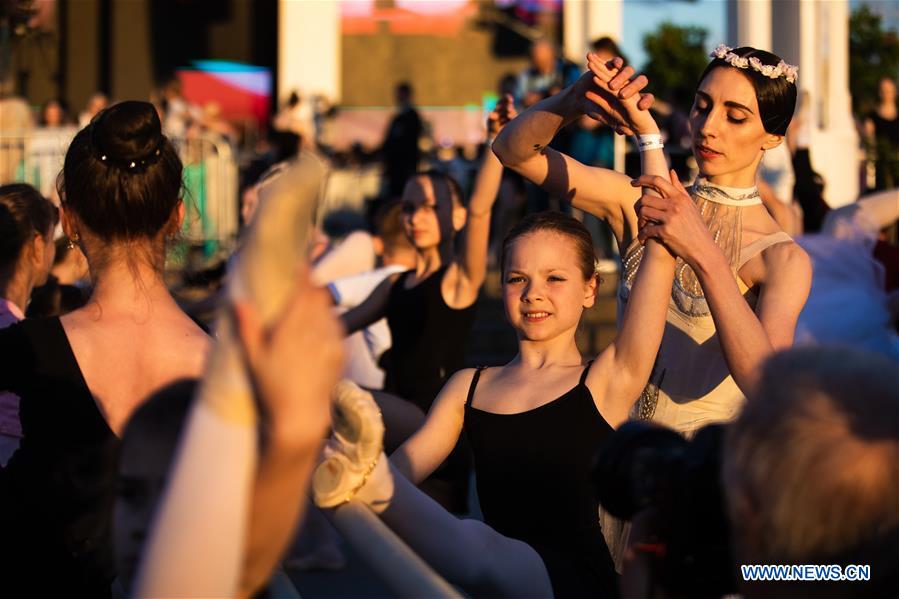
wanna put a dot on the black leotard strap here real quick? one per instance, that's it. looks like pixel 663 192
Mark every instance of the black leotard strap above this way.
pixel 584 374
pixel 474 383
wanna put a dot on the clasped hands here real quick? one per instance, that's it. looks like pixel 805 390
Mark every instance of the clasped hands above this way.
pixel 668 215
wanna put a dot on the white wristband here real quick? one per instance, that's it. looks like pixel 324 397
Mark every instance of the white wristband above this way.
pixel 650 141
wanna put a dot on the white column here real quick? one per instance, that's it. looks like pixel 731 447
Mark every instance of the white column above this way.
pixel 815 36
pixel 604 18
pixel 749 23
pixel 838 88
pixel 574 30
pixel 587 20
pixel 309 50
pixel 838 141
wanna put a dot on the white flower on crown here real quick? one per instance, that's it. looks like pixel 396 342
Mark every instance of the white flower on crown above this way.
pixel 791 72
pixel 737 61
pixel 721 51
pixel 782 69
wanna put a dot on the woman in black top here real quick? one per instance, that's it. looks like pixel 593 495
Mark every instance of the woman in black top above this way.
pixel 430 310
pixel 80 376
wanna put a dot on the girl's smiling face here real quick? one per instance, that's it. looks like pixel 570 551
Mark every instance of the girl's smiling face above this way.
pixel 544 291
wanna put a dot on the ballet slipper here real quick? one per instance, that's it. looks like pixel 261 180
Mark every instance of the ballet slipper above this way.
pixel 353 464
pixel 262 272
pixel 357 423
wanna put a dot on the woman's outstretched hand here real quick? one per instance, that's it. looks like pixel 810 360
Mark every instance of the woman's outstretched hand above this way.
pixel 502 113
pixel 672 218
pixel 295 362
pixel 618 99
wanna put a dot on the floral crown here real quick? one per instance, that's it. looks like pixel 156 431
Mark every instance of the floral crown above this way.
pixel 787 71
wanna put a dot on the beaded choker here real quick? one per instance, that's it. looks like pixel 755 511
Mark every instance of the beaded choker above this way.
pixel 729 196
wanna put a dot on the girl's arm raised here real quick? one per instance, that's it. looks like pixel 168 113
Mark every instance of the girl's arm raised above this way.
pixel 424 451
pixel 623 368
pixel 472 258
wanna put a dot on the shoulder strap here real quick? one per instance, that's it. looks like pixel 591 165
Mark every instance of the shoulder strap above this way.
pixel 758 246
pixel 474 383
pixel 584 374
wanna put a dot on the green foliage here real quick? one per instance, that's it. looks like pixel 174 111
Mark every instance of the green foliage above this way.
pixel 676 57
pixel 873 54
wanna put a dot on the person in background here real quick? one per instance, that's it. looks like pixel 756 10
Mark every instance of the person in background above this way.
pixel 68 286
pixel 15 120
pixel 430 309
pixel 776 179
pixel 882 135
pixel 400 147
pixel 850 301
pixel 180 114
pixel 808 189
pixel 593 143
pixel 547 75
pixel 53 114
pixel 27 221
pixel 296 116
pixel 95 104
pixel 397 254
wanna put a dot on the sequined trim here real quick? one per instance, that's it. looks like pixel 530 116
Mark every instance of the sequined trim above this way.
pixel 645 406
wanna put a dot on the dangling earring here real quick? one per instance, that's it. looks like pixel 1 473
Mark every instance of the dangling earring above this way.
pixel 72 240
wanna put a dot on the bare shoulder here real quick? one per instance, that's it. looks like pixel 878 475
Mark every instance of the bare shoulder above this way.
pixel 191 344
pixel 458 385
pixel 787 260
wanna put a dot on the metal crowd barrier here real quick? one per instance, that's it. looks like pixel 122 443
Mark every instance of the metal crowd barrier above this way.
pixel 210 178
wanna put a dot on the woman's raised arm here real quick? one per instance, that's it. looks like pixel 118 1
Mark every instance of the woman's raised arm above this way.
pixel 472 258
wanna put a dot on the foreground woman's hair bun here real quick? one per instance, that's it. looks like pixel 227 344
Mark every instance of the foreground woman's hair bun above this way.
pixel 122 176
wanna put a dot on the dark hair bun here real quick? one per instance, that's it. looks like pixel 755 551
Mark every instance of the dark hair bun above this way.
pixel 121 175
pixel 127 134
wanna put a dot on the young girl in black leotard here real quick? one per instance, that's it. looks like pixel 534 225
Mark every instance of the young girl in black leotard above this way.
pixel 534 426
